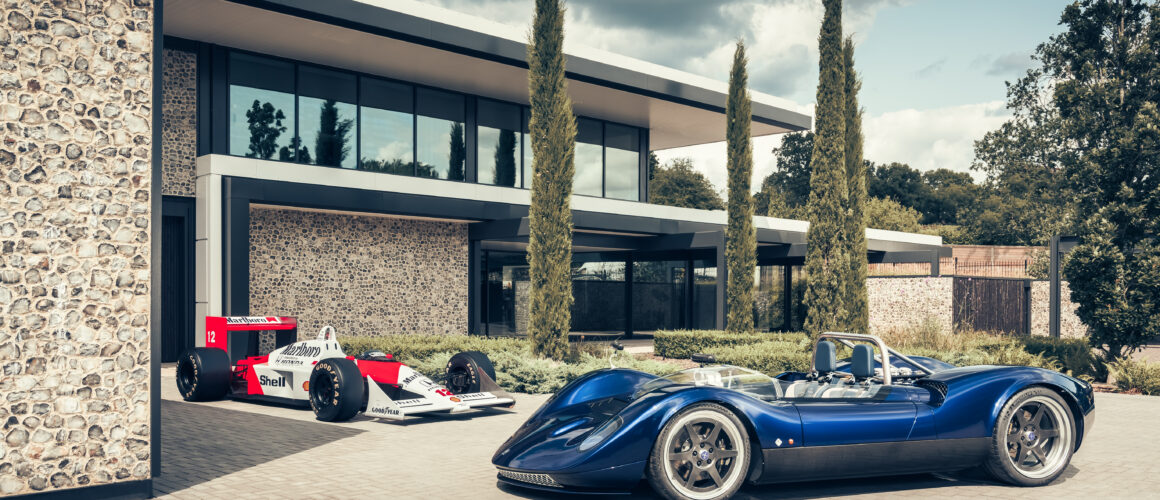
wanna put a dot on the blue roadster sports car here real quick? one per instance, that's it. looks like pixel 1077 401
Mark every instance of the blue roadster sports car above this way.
pixel 701 433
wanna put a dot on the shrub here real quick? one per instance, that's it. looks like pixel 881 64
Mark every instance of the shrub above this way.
pixel 409 348
pixel 1137 376
pixel 769 357
pixel 680 344
pixel 517 370
pixel 1073 355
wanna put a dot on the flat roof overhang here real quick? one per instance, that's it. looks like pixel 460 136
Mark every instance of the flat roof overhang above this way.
pixel 433 46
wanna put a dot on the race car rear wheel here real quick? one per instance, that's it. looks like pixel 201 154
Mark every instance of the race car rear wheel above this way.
pixel 203 374
pixel 702 453
pixel 1033 439
pixel 337 390
pixel 463 372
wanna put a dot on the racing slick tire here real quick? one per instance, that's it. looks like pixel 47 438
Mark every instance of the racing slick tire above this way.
pixel 463 372
pixel 1033 439
pixel 203 374
pixel 337 390
pixel 702 453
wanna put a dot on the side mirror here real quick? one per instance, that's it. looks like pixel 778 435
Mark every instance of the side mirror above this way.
pixel 704 359
pixel 617 345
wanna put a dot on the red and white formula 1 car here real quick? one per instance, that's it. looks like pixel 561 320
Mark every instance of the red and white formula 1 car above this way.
pixel 318 372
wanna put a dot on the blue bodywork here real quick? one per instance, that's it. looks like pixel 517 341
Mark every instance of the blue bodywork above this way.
pixel 943 421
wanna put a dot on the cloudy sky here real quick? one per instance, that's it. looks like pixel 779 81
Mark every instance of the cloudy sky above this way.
pixel 933 71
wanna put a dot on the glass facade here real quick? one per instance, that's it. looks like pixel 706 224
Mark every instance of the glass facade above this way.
pixel 658 295
pixel 498 135
pixel 287 111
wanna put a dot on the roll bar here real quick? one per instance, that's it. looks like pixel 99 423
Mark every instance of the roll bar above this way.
pixel 885 351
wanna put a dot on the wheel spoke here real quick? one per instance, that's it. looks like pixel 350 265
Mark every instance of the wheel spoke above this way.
pixel 726 453
pixel 1018 452
pixel 678 456
pixel 1038 455
pixel 713 434
pixel 1038 415
pixel 1013 433
pixel 693 476
pixel 1021 417
pixel 1048 433
pixel 693 435
pixel 716 476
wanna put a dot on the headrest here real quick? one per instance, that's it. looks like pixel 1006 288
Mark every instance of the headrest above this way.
pixel 826 358
pixel 862 364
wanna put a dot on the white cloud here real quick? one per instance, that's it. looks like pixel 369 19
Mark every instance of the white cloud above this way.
pixel 931 138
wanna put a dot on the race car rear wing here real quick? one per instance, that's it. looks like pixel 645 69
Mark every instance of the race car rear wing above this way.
pixel 238 335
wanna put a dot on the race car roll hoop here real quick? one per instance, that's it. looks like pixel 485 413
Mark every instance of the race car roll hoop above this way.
pixel 317 372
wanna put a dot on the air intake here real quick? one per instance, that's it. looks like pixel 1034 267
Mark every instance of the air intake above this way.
pixel 536 479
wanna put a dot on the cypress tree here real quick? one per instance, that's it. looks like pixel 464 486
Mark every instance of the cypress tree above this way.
pixel 553 133
pixel 858 311
pixel 740 235
pixel 827 264
pixel 505 159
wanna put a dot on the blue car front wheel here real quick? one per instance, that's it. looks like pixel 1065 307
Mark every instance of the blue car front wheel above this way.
pixel 1033 439
pixel 702 454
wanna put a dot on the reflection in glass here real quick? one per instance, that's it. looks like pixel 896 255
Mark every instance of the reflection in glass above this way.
pixel 261 122
pixel 658 295
pixel 507 296
pixel 386 141
pixel 622 162
pixel 704 294
pixel 497 156
pixel 442 151
pixel 589 158
pixel 598 290
pixel 329 127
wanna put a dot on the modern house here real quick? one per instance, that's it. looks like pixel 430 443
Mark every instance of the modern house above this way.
pixel 366 164
pixel 359 163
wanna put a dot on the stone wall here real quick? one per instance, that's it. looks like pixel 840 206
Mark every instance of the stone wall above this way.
pixel 365 275
pixel 75 159
pixel 1070 325
pixel 897 303
pixel 178 122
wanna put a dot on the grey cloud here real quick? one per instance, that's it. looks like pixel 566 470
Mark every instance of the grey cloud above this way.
pixel 783 76
pixel 1014 63
pixel 931 69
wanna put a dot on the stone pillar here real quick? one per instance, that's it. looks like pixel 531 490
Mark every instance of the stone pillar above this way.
pixel 76 84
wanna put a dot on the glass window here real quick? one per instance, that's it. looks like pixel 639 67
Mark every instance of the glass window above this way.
pixel 327 117
pixel 506 299
pixel 622 162
pixel 261 106
pixel 658 295
pixel 527 147
pixel 589 158
pixel 442 150
pixel 704 294
pixel 598 289
pixel 388 127
pixel 498 143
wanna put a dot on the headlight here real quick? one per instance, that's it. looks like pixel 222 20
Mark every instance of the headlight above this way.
pixel 601 433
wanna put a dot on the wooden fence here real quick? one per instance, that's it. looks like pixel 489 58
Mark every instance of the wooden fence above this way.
pixel 992 304
pixel 954 266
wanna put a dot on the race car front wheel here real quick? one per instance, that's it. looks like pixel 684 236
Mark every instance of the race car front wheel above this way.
pixel 337 390
pixel 702 453
pixel 464 369
pixel 1033 439
pixel 203 374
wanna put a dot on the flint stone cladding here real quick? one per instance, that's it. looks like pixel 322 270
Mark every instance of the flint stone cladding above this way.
pixel 75 180
pixel 900 303
pixel 364 275
pixel 178 122
pixel 1070 325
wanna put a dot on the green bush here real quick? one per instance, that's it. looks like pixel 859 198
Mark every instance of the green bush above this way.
pixel 1137 376
pixel 1073 355
pixel 769 357
pixel 408 348
pixel 680 344
pixel 517 370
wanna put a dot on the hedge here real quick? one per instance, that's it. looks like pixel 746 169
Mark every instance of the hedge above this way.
pixel 517 370
pixel 769 357
pixel 681 344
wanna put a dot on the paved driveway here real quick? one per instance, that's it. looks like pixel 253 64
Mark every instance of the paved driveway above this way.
pixel 239 450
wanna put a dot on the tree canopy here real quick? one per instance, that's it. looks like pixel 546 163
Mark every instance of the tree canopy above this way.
pixel 678 184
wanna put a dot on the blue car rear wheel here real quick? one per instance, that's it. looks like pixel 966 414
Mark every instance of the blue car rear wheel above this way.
pixel 702 453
